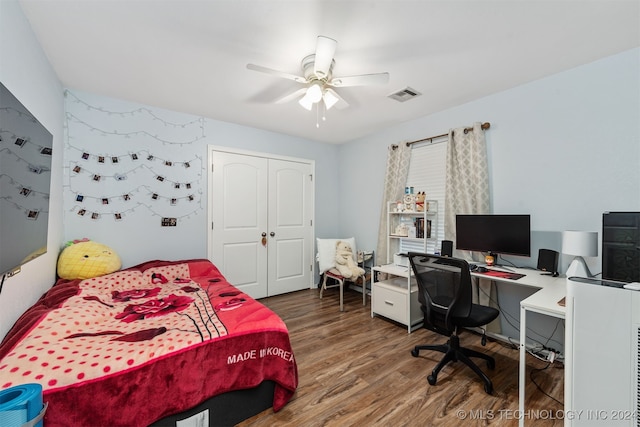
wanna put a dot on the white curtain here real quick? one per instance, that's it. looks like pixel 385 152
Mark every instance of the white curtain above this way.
pixel 467 182
pixel 467 192
pixel 395 179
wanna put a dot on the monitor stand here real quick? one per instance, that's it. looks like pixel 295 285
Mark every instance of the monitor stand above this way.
pixel 497 264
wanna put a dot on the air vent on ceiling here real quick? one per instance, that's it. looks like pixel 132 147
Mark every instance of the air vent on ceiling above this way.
pixel 405 94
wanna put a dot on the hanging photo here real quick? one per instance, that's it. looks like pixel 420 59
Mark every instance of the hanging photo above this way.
pixel 134 156
pixel 95 215
pixel 77 169
pixel 81 212
pixel 96 177
pixel 25 191
pixel 105 201
pixel 117 216
pixel 114 160
pixel 79 198
pixel 154 196
pixel 174 202
pixel 32 215
pixel 46 151
pixel 35 169
pixel 126 197
pixel 176 185
pixel 100 159
pixel 85 156
pixel 187 165
pixel 150 157
pixel 167 163
pixel 160 178
pixel 20 142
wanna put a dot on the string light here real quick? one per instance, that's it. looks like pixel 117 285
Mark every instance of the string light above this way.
pixel 183 194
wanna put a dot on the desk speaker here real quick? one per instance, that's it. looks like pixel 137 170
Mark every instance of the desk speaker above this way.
pixel 447 248
pixel 548 261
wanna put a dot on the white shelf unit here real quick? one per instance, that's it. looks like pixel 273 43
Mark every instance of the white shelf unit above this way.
pixel 396 297
pixel 426 223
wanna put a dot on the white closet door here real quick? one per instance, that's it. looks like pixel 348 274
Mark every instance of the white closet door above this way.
pixel 261 211
pixel 239 208
pixel 290 211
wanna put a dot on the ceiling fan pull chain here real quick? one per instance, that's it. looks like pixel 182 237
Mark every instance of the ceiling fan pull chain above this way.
pixel 317 116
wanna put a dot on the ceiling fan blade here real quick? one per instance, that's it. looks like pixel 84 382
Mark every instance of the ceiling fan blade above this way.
pixel 341 104
pixel 361 80
pixel 325 50
pixel 292 96
pixel 277 73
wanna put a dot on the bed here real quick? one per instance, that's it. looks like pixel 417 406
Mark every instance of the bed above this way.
pixel 140 345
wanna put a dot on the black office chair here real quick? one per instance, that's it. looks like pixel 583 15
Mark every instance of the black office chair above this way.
pixel 444 292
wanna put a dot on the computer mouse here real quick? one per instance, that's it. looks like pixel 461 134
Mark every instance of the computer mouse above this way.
pixel 482 269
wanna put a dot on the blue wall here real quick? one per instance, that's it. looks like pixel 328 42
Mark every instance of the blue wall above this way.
pixel 25 71
pixel 565 149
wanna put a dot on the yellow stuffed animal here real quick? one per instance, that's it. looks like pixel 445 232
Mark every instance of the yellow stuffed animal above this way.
pixel 84 259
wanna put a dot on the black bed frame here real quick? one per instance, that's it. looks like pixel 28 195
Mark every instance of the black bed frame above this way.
pixel 228 409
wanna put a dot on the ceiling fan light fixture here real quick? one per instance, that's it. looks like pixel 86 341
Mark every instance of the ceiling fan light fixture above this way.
pixel 329 99
pixel 314 93
pixel 312 96
pixel 306 103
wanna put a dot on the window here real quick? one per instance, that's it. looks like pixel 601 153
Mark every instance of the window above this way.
pixel 427 172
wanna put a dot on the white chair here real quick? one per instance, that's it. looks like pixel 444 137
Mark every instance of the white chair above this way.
pixel 326 257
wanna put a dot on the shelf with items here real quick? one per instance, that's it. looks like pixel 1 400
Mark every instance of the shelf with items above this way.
pixel 409 228
pixel 396 296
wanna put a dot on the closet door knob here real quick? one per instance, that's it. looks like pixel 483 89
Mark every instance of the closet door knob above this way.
pixel 272 234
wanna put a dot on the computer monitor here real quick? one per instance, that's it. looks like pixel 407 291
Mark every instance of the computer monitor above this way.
pixel 494 233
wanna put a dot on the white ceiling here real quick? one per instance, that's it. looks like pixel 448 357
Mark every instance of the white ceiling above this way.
pixel 191 55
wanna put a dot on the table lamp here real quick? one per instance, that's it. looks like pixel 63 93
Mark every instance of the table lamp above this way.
pixel 579 244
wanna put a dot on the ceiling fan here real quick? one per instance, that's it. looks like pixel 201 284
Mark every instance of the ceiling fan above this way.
pixel 317 76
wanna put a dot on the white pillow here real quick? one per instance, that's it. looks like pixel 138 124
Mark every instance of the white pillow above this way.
pixel 326 254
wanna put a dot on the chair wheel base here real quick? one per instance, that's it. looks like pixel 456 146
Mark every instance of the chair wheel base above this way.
pixel 432 379
pixel 414 352
pixel 488 388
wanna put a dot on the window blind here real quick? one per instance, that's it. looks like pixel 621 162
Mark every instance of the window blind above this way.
pixel 427 172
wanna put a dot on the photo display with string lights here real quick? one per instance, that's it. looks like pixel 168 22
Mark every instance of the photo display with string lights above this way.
pixel 25 182
pixel 142 169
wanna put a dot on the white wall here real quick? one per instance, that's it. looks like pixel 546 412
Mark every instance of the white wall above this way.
pixel 100 126
pixel 25 71
pixel 565 149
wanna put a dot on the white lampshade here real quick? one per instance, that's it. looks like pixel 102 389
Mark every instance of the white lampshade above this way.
pixel 306 103
pixel 580 243
pixel 329 99
pixel 313 95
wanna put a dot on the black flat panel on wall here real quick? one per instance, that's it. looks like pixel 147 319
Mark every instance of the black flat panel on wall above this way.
pixel 621 246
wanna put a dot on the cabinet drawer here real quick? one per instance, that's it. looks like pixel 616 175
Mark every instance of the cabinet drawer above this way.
pixel 390 303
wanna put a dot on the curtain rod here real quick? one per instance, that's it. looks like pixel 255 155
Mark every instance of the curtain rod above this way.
pixel 484 126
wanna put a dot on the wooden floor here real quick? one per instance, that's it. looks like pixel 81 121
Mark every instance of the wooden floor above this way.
pixel 356 370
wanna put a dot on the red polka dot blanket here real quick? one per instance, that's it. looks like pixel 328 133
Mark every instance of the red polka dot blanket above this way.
pixel 137 345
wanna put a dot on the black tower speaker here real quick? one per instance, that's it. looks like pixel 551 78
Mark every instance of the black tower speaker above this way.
pixel 447 248
pixel 548 261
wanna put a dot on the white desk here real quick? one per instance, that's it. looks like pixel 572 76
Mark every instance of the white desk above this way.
pixel 544 301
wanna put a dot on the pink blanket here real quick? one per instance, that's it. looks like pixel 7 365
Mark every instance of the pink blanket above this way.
pixel 132 347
